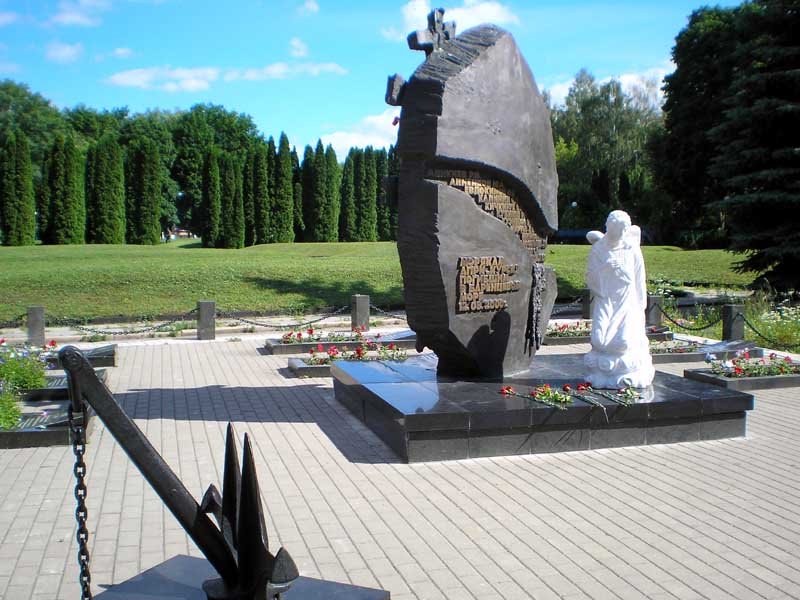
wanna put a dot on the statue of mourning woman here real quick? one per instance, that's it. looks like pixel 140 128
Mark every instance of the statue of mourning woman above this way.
pixel 620 354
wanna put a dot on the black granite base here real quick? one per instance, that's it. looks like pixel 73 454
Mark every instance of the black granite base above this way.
pixel 405 340
pixel 182 577
pixel 720 350
pixel 767 382
pixel 102 356
pixel 302 369
pixel 423 417
pixel 43 423
pixel 564 340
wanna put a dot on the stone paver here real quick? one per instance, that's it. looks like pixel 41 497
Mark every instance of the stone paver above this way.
pixel 703 520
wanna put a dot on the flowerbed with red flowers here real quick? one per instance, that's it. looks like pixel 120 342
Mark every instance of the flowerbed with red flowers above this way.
pixel 315 335
pixel 579 329
pixel 743 366
pixel 366 350
pixel 673 347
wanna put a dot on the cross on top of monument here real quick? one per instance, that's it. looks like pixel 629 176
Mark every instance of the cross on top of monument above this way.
pixel 438 31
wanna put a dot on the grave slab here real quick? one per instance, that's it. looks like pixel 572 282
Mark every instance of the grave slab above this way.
pixel 425 417
pixel 181 577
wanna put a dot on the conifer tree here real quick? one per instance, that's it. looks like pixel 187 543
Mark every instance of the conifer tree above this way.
pixel 143 192
pixel 105 192
pixel 756 143
pixel 382 207
pixel 333 178
pixel 320 226
pixel 261 205
pixel 347 213
pixel 283 209
pixel 297 182
pixel 393 169
pixel 17 203
pixel 66 209
pixel 248 195
pixel 272 162
pixel 307 181
pixel 211 206
pixel 366 209
pixel 232 225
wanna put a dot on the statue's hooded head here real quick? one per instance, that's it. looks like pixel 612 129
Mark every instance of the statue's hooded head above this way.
pixel 617 224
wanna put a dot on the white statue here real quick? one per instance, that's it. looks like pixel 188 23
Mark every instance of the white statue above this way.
pixel 620 354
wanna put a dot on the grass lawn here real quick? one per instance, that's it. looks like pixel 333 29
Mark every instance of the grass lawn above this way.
pixel 149 281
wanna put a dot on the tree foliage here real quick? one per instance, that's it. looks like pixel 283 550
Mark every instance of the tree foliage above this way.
pixel 282 217
pixel 105 192
pixel 211 205
pixel 17 201
pixel 347 212
pixel 62 196
pixel 232 220
pixel 143 174
pixel 756 157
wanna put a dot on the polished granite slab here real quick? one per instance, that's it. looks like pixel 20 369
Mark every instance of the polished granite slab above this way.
pixel 423 417
pixel 181 577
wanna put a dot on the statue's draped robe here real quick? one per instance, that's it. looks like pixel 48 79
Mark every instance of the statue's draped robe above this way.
pixel 620 349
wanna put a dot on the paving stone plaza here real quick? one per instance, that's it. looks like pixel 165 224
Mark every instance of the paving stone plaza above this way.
pixel 715 519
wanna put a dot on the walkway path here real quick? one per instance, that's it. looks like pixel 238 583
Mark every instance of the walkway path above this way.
pixel 707 520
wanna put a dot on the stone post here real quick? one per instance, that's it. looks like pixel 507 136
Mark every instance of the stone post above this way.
pixel 206 315
pixel 652 314
pixel 732 322
pixel 586 304
pixel 36 325
pixel 359 312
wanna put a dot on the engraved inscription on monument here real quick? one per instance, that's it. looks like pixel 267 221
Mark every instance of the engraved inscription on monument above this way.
pixel 481 275
pixel 496 199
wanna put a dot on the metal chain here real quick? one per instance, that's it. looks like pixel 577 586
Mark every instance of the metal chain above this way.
pixel 112 332
pixel 226 315
pixel 78 432
pixel 684 327
pixel 778 345
pixel 387 313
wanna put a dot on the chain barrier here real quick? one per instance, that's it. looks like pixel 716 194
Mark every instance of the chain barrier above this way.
pixel 774 343
pixel 557 310
pixel 226 315
pixel 386 313
pixel 685 327
pixel 75 325
pixel 78 432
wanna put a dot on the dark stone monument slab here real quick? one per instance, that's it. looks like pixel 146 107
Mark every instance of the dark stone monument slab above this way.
pixel 477 200
pixel 423 416
pixel 180 577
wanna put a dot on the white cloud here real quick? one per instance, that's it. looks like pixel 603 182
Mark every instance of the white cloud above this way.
pixel 122 53
pixel 200 78
pixel 63 53
pixel 372 130
pixel 167 78
pixel 82 13
pixel 645 85
pixel 6 18
pixel 297 47
pixel 8 68
pixel 283 70
pixel 309 7
pixel 469 14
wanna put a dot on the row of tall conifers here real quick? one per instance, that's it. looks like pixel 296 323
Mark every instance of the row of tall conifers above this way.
pixel 119 188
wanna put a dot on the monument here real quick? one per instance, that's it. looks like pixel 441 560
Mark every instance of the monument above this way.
pixel 620 354
pixel 476 200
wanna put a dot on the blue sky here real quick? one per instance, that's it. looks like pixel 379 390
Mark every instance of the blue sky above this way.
pixel 312 68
